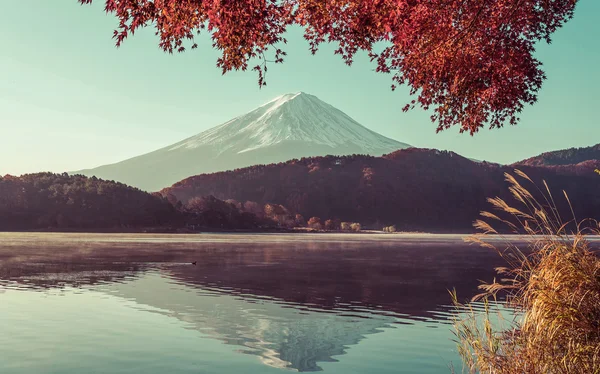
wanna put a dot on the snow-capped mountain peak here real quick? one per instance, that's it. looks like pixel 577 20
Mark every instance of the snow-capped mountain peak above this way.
pixel 291 117
pixel 290 126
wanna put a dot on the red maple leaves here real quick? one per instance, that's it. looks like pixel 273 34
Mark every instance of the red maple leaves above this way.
pixel 469 61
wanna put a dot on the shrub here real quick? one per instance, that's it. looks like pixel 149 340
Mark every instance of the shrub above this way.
pixel 331 225
pixel 554 285
pixel 390 228
pixel 355 226
pixel 350 226
pixel 315 223
pixel 253 207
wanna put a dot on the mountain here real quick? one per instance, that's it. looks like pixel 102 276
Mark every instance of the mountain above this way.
pixel 290 126
pixel 415 189
pixel 571 156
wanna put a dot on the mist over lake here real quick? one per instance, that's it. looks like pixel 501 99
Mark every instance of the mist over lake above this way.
pixel 259 303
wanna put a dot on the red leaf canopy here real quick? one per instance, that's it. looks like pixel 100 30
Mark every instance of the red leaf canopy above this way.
pixel 469 61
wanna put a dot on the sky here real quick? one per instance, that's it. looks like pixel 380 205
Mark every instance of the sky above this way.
pixel 69 99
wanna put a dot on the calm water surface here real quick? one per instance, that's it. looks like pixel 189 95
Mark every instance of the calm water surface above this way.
pixel 104 303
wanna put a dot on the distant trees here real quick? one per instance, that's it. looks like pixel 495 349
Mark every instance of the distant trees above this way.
pixel 232 214
pixel 65 202
pixel 252 207
pixel 235 203
pixel 280 215
pixel 315 223
pixel 61 201
pixel 210 212
pixel 299 220
pixel 47 200
pixel 355 226
pixel 350 226
pixel 416 189
pixel 571 156
pixel 331 225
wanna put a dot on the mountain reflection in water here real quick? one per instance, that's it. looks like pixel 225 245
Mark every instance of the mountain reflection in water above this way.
pixel 295 301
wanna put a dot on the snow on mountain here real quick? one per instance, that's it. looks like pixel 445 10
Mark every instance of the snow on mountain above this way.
pixel 300 117
pixel 290 126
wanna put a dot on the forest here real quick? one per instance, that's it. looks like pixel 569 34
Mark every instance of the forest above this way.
pixel 61 202
pixel 413 189
pixel 408 190
pixel 47 201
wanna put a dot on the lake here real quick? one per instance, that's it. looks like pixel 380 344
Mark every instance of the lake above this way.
pixel 261 303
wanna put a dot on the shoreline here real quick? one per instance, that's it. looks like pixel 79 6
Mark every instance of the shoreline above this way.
pixel 255 237
pixel 175 231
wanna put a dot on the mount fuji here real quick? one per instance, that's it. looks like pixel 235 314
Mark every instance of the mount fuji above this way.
pixel 290 126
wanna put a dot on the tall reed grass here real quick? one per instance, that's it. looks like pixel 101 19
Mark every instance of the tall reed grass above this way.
pixel 552 283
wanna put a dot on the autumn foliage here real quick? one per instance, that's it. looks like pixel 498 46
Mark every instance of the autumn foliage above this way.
pixel 469 61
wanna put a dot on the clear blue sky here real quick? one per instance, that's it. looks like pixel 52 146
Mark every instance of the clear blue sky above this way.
pixel 70 100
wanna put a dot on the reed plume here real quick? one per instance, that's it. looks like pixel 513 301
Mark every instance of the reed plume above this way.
pixel 551 282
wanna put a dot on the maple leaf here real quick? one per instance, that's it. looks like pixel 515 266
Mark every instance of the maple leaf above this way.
pixel 470 61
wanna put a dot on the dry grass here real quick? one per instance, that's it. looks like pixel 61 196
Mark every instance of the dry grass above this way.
pixel 553 285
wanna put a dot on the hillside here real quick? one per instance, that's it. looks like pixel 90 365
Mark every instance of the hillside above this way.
pixel 46 200
pixel 416 189
pixel 571 156
pixel 290 126
pixel 61 202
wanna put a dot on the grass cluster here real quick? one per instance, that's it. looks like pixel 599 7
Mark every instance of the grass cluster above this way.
pixel 552 283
